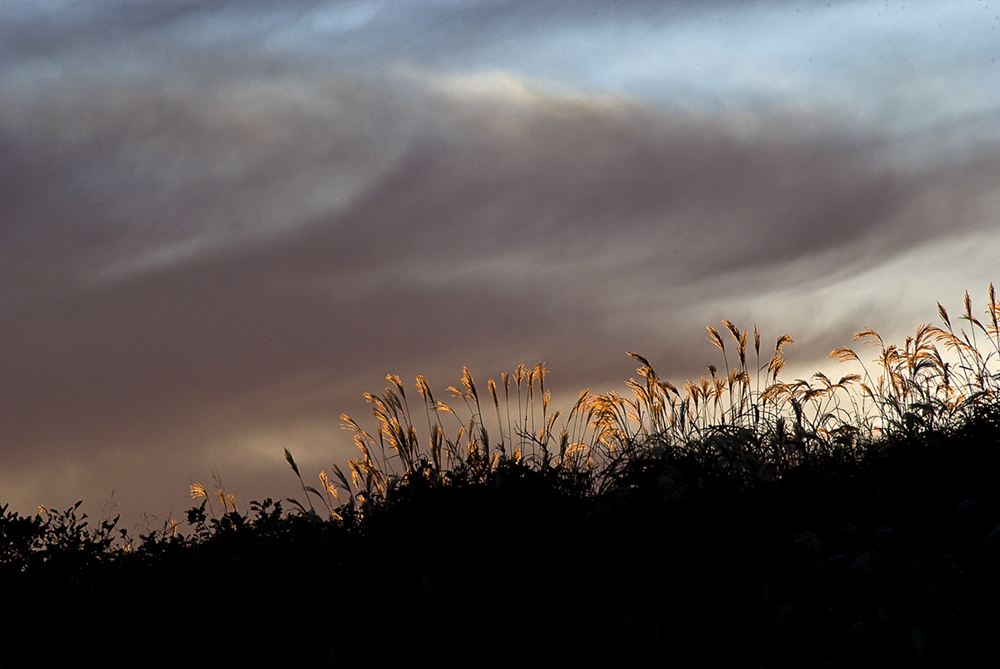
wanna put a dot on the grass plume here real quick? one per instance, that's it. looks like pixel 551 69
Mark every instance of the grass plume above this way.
pixel 839 520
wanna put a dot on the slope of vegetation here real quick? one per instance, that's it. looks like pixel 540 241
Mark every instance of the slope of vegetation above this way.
pixel 740 521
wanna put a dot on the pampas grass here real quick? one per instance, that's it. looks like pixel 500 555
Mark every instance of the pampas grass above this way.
pixel 843 520
pixel 745 413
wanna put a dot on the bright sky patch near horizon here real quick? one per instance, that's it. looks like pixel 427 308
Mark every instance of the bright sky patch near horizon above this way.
pixel 221 222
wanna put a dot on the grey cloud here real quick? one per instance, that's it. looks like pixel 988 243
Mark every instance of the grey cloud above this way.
pixel 206 253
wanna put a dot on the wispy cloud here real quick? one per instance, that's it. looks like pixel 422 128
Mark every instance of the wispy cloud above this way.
pixel 221 222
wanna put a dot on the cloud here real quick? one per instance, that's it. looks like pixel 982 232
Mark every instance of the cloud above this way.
pixel 215 249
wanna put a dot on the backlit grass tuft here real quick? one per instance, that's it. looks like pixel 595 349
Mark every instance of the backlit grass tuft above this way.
pixel 740 519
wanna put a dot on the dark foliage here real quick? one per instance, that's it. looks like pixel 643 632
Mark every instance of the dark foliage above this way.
pixel 733 526
pixel 890 559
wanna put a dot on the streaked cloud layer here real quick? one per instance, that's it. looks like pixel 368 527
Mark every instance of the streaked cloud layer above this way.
pixel 220 223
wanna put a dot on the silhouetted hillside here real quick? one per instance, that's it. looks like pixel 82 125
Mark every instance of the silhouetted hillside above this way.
pixel 768 530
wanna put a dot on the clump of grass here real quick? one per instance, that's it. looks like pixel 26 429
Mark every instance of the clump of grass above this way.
pixel 744 414
pixel 458 444
pixel 916 387
pixel 778 424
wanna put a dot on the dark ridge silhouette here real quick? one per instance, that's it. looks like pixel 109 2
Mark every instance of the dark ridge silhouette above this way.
pixel 736 526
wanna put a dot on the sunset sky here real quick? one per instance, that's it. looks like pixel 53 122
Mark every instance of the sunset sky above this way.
pixel 222 222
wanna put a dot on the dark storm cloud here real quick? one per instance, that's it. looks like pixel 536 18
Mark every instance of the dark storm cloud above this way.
pixel 212 247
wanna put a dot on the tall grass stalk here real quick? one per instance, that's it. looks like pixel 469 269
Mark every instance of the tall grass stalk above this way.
pixel 746 415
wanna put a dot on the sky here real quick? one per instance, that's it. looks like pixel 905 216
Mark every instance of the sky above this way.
pixel 222 222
